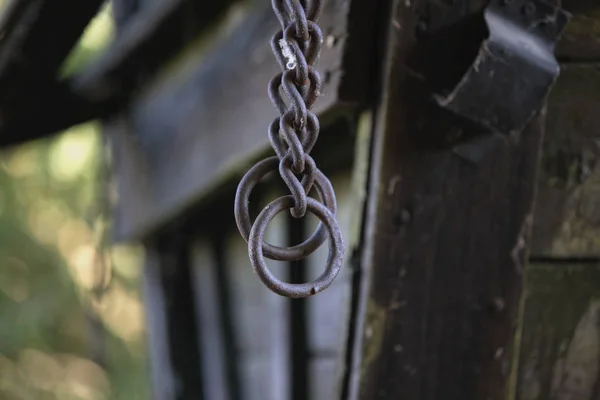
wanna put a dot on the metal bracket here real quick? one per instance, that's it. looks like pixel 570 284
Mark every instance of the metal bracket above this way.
pixel 514 69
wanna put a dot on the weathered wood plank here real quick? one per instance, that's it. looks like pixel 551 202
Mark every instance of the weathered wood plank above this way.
pixel 328 314
pixel 581 40
pixel 446 238
pixel 567 216
pixel 209 117
pixel 216 384
pixel 161 368
pixel 51 107
pixel 153 34
pixel 260 322
pixel 560 345
pixel 31 51
pixel 325 374
pixel 171 318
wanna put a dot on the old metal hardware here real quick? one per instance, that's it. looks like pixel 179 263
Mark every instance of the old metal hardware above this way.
pixel 515 67
pixel 292 135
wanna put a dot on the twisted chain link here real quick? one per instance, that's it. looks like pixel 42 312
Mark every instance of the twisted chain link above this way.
pixel 293 135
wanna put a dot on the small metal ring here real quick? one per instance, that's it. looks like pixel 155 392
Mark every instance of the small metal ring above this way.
pixel 295 147
pixel 281 12
pixel 313 91
pixel 296 98
pixel 308 136
pixel 298 190
pixel 276 49
pixel 299 19
pixel 312 47
pixel 315 10
pixel 334 260
pixel 244 223
pixel 275 94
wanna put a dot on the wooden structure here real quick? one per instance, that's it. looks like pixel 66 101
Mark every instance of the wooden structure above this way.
pixel 473 259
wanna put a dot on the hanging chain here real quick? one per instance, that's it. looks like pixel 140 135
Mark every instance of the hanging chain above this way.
pixel 292 135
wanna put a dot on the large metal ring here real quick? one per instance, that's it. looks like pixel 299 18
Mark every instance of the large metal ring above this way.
pixel 242 212
pixel 334 260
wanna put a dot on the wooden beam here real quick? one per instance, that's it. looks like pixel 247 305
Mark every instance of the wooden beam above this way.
pixel 581 40
pixel 447 234
pixel 172 318
pixel 567 216
pixel 52 107
pixel 208 118
pixel 36 36
pixel 560 345
pixel 212 317
pixel 152 35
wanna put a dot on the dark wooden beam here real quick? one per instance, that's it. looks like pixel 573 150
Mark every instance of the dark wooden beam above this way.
pixel 36 36
pixel 447 235
pixel 172 318
pixel 567 215
pixel 208 118
pixel 150 37
pixel 581 40
pixel 51 108
pixel 560 348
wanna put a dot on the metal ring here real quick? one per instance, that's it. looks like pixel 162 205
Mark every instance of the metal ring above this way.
pixel 299 19
pixel 298 190
pixel 242 212
pixel 313 46
pixel 275 94
pixel 295 147
pixel 297 101
pixel 334 260
pixel 315 10
pixel 281 12
pixel 308 136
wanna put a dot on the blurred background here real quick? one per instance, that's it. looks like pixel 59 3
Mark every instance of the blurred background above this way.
pixel 72 324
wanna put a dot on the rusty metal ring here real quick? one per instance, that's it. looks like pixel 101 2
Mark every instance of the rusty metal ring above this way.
pixel 281 60
pixel 334 260
pixel 242 212
pixel 295 147
pixel 296 98
pixel 275 94
pixel 313 47
pixel 299 20
pixel 308 136
pixel 312 93
pixel 315 10
pixel 281 12
pixel 298 190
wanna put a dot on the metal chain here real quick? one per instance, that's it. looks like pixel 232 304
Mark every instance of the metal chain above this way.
pixel 293 135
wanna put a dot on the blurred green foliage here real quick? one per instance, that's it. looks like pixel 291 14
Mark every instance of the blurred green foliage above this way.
pixel 71 319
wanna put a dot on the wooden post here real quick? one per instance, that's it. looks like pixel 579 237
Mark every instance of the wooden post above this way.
pixel 446 237
pixel 560 349
pixel 172 326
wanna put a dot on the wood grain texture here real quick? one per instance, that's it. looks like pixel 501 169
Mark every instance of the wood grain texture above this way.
pixel 328 314
pixel 445 241
pixel 560 345
pixel 567 217
pixel 162 374
pixel 211 335
pixel 209 118
pixel 581 39
pixel 171 314
pixel 260 323
pixel 150 34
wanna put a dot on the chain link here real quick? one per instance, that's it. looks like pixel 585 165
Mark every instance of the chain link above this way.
pixel 293 135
